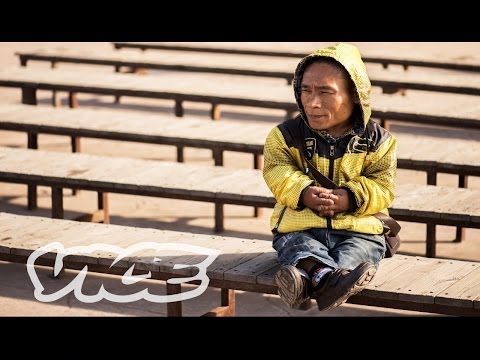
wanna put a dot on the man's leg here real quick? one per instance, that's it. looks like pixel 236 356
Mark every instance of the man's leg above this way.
pixel 357 256
pixel 299 253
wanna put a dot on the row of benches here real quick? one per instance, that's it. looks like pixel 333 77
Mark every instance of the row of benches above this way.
pixel 421 153
pixel 431 205
pixel 284 68
pixel 228 90
pixel 402 282
pixel 426 154
pixel 299 50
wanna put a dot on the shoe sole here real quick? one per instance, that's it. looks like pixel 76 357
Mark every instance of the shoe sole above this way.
pixel 287 283
pixel 359 285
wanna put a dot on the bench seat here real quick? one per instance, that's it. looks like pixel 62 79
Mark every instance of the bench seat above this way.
pixel 402 282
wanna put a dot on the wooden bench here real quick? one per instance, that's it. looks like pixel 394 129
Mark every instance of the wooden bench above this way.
pixel 431 205
pixel 299 50
pixel 159 128
pixel 389 81
pixel 224 89
pixel 403 282
pixel 420 153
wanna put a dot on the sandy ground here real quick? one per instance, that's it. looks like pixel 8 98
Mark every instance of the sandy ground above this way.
pixel 16 291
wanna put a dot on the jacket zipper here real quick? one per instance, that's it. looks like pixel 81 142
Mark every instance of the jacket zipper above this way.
pixel 331 164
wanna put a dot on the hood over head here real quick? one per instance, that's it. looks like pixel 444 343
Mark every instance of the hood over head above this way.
pixel 349 57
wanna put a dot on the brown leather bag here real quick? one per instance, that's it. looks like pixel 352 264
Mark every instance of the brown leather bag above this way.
pixel 391 228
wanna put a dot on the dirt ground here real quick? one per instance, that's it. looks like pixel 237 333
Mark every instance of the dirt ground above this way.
pixel 16 295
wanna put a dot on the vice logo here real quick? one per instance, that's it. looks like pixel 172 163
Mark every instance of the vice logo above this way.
pixel 127 279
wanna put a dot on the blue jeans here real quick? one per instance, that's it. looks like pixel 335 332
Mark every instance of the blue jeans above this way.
pixel 335 248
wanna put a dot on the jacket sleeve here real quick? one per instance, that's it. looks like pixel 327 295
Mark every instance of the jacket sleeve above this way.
pixel 281 170
pixel 374 190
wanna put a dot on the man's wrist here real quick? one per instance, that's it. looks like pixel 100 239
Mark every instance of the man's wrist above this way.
pixel 352 201
pixel 301 204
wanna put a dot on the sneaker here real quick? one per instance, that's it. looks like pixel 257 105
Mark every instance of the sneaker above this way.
pixel 292 286
pixel 341 284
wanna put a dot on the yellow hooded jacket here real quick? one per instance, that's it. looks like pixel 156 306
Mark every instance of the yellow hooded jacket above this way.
pixel 364 161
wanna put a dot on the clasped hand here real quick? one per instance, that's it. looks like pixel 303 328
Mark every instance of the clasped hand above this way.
pixel 325 201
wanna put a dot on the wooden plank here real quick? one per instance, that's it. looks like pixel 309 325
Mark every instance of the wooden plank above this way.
pixel 24 243
pixel 144 259
pixel 463 292
pixel 248 271
pixel 427 285
pixel 233 252
pixel 419 281
pixel 393 273
pixel 268 277
pixel 130 236
pixel 121 237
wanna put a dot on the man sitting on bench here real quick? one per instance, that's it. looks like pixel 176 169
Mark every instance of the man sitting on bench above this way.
pixel 327 238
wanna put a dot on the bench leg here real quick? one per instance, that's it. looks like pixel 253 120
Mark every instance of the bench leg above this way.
pixel 75 145
pixel 56 99
pixel 57 203
pixel 431 235
pixel 431 177
pixel 227 307
pixel 460 234
pixel 117 97
pixel 103 206
pixel 216 112
pixel 462 183
pixel 174 308
pixel 72 100
pixel 23 60
pixel 100 215
pixel 29 96
pixel 32 197
pixel 56 103
pixel 431 240
pixel 180 153
pixel 179 108
pixel 218 218
pixel 217 155
pixel 32 143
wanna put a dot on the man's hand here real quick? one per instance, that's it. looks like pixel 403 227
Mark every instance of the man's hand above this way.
pixel 325 201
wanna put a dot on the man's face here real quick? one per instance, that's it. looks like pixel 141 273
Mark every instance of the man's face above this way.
pixel 326 98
